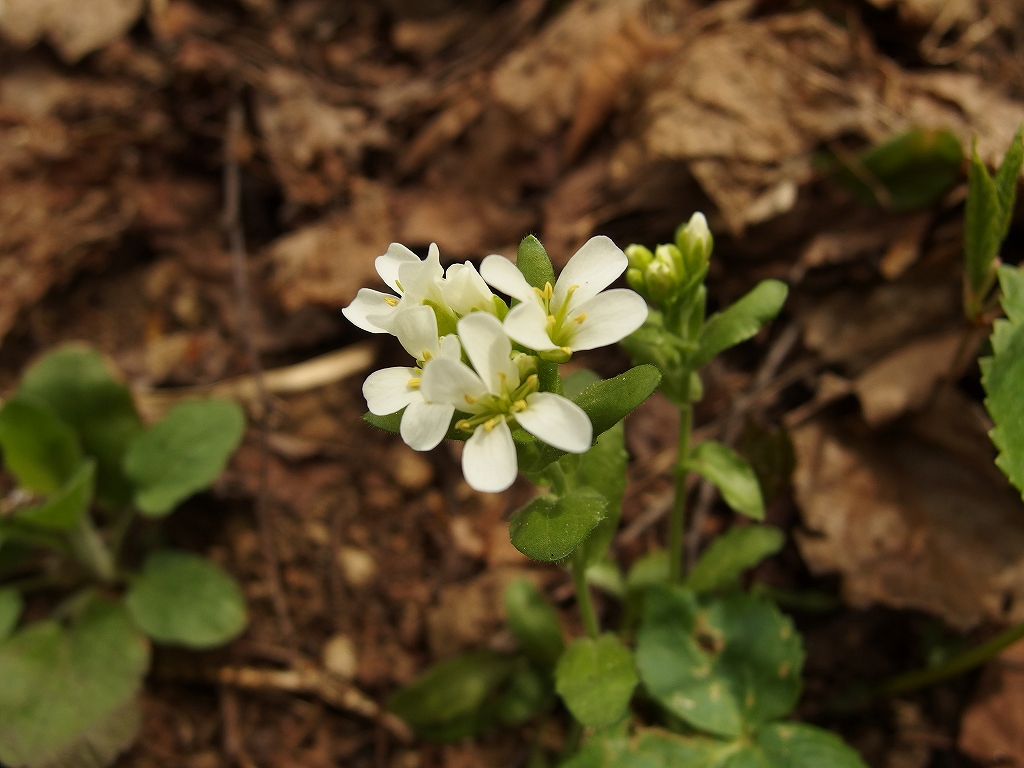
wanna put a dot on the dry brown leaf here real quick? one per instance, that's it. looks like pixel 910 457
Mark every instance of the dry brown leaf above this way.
pixel 917 518
pixel 74 29
pixel 992 729
pixel 327 262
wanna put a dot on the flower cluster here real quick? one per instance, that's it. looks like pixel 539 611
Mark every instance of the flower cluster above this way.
pixel 461 337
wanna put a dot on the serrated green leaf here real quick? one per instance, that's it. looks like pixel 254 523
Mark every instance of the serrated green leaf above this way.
pixel 534 622
pixel 447 703
pixel 11 606
pixel 75 381
pixel 548 529
pixel 1003 378
pixel 40 450
pixel 533 261
pixel 595 678
pixel 731 554
pixel 64 510
pixel 183 453
pixel 1011 283
pixel 740 321
pixel 732 475
pixel 603 468
pixel 63 686
pixel 721 664
pixel 982 218
pixel 183 599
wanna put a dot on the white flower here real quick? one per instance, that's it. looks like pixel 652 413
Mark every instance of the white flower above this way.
pixel 574 314
pixel 494 396
pixel 424 424
pixel 414 280
pixel 464 291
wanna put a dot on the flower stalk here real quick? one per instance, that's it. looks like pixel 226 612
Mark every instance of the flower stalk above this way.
pixel 677 523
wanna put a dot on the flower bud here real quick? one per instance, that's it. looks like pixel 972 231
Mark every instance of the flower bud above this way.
pixel 525 364
pixel 671 255
pixel 695 243
pixel 639 256
pixel 661 280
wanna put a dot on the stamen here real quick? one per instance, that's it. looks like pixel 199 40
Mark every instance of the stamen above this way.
pixel 463 425
pixel 490 424
pixel 518 406
pixel 548 291
pixel 391 301
pixel 567 350
pixel 414 383
pixel 580 317
pixel 551 319
pixel 426 356
pixel 470 399
pixel 399 285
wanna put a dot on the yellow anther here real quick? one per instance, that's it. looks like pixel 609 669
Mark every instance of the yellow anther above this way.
pixel 463 425
pixel 391 301
pixel 492 423
pixel 567 350
pixel 580 317
pixel 551 319
pixel 548 291
pixel 426 356
pixel 470 399
pixel 414 383
pixel 519 405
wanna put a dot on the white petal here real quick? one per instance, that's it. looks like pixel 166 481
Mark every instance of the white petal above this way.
pixel 609 317
pixel 450 347
pixel 424 425
pixel 502 274
pixel 489 459
pixel 388 264
pixel 419 279
pixel 489 350
pixel 388 391
pixel 527 324
pixel 592 268
pixel 464 290
pixel 369 303
pixel 416 329
pixel 451 381
pixel 558 421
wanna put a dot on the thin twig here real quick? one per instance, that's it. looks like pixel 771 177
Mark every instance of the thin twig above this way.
pixel 708 493
pixel 232 223
pixel 231 736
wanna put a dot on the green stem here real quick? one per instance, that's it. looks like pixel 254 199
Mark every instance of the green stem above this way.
pixel 960 663
pixel 583 600
pixel 119 530
pixel 89 549
pixel 678 520
pixel 559 482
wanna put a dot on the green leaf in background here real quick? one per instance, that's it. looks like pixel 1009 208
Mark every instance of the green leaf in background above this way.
pixel 723 665
pixel 183 453
pixel 987 218
pixel 549 528
pixel 40 450
pixel 447 703
pixel 534 622
pixel 651 569
pixel 76 383
pixel 595 678
pixel 740 321
pixel 527 692
pixel 731 553
pixel 1002 376
pixel 184 599
pixel 11 606
pixel 603 468
pixel 797 745
pixel 534 263
pixel 63 511
pixel 69 693
pixel 732 475
pixel 908 172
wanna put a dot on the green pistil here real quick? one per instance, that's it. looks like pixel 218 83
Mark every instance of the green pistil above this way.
pixel 498 407
pixel 556 327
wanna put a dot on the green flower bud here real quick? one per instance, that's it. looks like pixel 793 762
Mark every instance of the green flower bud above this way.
pixel 525 364
pixel 670 255
pixel 639 256
pixel 661 280
pixel 695 243
pixel 635 278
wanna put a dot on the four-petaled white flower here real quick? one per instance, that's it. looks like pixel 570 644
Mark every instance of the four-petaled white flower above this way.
pixel 414 280
pixel 494 396
pixel 387 391
pixel 576 313
pixel 464 291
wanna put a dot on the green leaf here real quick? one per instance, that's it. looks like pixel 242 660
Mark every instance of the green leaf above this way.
pixel 70 692
pixel 797 745
pixel 526 693
pixel 391 423
pixel 723 665
pixel 40 450
pixel 549 528
pixel 11 606
pixel 447 703
pixel 576 382
pixel 603 468
pixel 1011 283
pixel 595 678
pixel 184 599
pixel 910 172
pixel 76 383
pixel 534 263
pixel 534 623
pixel 732 475
pixel 731 554
pixel 63 511
pixel 740 321
pixel 183 453
pixel 1006 179
pixel 651 569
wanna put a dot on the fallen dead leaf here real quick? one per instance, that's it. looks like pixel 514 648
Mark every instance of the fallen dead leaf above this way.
pixel 992 728
pixel 75 29
pixel 913 518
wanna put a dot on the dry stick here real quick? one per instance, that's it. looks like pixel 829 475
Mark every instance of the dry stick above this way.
pixel 731 432
pixel 232 223
pixel 232 736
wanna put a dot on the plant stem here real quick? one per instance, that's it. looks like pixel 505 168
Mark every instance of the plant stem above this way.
pixel 119 530
pixel 559 482
pixel 678 520
pixel 583 600
pixel 962 662
pixel 90 551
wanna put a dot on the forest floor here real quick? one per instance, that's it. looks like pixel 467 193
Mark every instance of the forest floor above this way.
pixel 470 124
